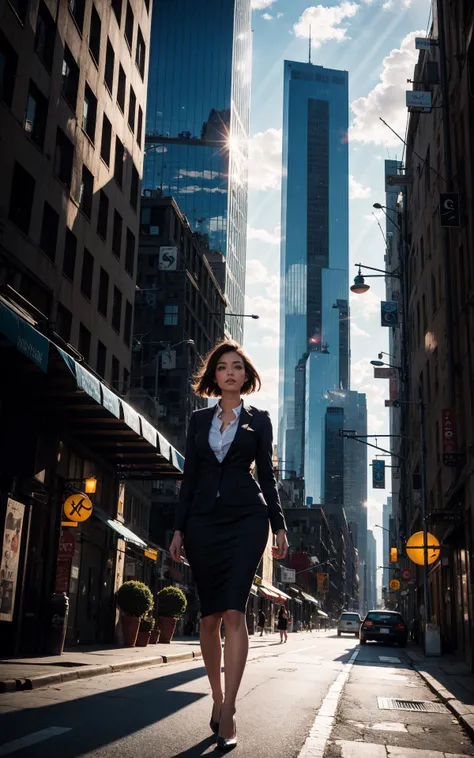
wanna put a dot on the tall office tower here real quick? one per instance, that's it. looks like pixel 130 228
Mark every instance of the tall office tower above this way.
pixel 314 333
pixel 197 124
pixel 343 465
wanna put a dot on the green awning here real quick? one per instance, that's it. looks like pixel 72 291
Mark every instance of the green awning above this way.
pixel 18 328
pixel 126 534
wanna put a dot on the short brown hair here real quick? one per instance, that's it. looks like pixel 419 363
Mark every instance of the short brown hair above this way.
pixel 204 383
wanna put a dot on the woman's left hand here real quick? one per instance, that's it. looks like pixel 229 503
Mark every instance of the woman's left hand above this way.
pixel 281 548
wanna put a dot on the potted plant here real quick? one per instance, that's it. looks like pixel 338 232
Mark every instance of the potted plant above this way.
pixel 155 633
pixel 146 625
pixel 134 600
pixel 171 606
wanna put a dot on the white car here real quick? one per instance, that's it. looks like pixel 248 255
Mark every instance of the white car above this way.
pixel 349 623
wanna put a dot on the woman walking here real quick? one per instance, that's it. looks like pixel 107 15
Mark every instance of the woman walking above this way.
pixel 283 624
pixel 222 518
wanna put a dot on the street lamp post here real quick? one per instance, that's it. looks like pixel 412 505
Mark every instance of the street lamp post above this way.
pixel 236 315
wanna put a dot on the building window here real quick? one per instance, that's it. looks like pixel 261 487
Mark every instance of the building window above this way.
pixel 36 115
pixel 117 9
pixel 64 323
pixel 63 158
pixel 89 116
pixel 140 126
pixel 121 89
pixel 117 310
pixel 84 342
pixel 140 54
pixel 119 162
pixel 103 303
pixel 115 372
pixel 49 231
pixel 117 235
pixel 109 67
pixel 87 192
pixel 45 36
pixel 130 253
pixel 149 222
pixel 70 78
pixel 20 7
pixel 94 35
pixel 69 260
pixel 147 5
pixel 8 67
pixel 129 22
pixel 132 108
pixel 87 274
pixel 21 198
pixel 77 8
pixel 171 315
pixel 101 358
pixel 134 187
pixel 103 218
pixel 106 140
pixel 127 329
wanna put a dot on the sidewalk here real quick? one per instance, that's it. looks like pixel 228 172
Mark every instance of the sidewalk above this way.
pixel 451 680
pixel 89 661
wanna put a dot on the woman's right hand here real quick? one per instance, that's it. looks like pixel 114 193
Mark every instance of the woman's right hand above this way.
pixel 176 547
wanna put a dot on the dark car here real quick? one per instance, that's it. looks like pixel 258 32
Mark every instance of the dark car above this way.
pixel 384 626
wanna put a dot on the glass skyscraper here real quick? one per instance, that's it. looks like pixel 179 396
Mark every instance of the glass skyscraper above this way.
pixel 197 124
pixel 314 320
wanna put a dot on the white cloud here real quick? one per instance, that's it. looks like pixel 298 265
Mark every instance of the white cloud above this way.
pixel 356 331
pixel 360 372
pixel 280 15
pixel 257 5
pixel 365 306
pixel 267 17
pixel 268 310
pixel 265 160
pixel 357 191
pixel 256 272
pixel 390 4
pixel 326 23
pixel 387 98
pixel 262 235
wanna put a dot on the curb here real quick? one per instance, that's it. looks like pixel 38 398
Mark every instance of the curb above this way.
pixel 462 712
pixel 46 680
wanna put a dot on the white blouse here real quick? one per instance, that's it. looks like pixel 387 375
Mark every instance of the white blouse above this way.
pixel 219 441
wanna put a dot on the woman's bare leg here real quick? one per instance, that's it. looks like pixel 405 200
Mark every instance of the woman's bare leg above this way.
pixel 235 657
pixel 211 648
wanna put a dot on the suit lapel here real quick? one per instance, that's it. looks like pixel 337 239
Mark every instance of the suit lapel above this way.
pixel 245 418
pixel 205 429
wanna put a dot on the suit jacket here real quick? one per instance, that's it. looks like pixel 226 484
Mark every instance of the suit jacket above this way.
pixel 205 476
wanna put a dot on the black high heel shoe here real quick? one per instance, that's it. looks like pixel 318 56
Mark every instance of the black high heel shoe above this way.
pixel 227 744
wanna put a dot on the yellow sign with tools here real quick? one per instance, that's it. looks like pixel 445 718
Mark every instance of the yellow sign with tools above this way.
pixel 394 584
pixel 78 507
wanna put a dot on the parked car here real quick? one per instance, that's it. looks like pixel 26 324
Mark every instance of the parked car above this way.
pixel 384 626
pixel 348 623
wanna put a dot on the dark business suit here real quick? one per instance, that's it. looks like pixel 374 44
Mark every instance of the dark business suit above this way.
pixel 222 511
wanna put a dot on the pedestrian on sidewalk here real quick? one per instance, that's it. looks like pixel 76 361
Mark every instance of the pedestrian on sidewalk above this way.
pixel 261 621
pixel 283 624
pixel 222 517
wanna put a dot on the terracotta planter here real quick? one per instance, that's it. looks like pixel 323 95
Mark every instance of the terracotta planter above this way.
pixel 143 639
pixel 167 628
pixel 154 636
pixel 130 627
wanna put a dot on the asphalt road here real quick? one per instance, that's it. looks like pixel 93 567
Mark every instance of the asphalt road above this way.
pixel 164 712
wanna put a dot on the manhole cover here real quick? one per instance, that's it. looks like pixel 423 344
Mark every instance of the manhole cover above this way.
pixel 288 670
pixel 426 706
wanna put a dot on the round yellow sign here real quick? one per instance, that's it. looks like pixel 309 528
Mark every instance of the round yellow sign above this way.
pixel 416 552
pixel 394 584
pixel 78 507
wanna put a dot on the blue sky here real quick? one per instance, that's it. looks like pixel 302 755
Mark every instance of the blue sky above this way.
pixel 374 41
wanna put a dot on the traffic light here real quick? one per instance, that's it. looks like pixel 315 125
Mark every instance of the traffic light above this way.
pixel 393 555
pixel 378 474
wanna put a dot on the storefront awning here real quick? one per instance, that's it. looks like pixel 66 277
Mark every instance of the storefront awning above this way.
pixel 57 390
pixel 309 598
pixel 271 592
pixel 125 534
pixel 322 614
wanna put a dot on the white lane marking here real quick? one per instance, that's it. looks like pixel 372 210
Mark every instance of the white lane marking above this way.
pixel 32 739
pixel 320 733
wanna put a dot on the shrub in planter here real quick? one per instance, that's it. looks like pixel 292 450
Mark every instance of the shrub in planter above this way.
pixel 171 606
pixel 144 632
pixel 134 600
